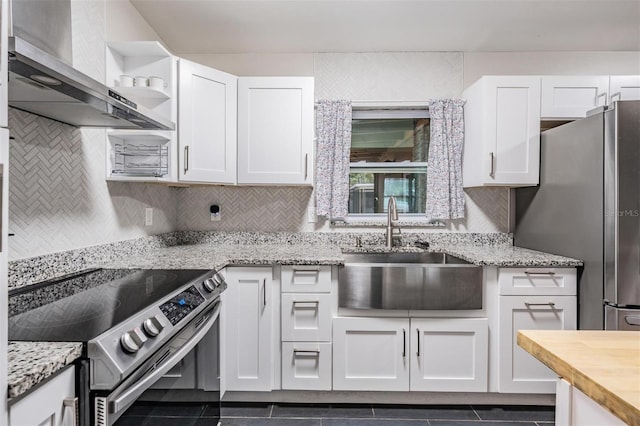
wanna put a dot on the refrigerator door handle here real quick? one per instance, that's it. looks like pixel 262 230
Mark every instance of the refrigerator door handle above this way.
pixel 632 320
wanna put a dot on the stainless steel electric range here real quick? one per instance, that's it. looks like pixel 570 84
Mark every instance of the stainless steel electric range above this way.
pixel 135 325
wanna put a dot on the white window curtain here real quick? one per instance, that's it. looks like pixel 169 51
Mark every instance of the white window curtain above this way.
pixel 445 197
pixel 333 147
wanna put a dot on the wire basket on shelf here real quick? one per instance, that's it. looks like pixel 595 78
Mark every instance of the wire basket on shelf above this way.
pixel 141 160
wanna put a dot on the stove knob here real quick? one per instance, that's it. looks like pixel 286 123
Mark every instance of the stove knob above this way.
pixel 209 285
pixel 130 342
pixel 218 280
pixel 152 326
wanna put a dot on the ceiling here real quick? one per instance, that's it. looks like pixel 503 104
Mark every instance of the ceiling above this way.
pixel 305 26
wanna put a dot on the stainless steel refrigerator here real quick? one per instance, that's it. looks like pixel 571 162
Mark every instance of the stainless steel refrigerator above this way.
pixel 587 206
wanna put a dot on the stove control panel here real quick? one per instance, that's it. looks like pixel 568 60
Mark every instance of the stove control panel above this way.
pixel 181 305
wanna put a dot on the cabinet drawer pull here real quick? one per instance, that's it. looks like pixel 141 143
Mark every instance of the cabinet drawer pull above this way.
pixel 550 304
pixel 306 302
pixel 550 273
pixel 297 271
pixel 418 352
pixel 404 343
pixel 306 166
pixel 306 351
pixel 186 159
pixel 492 172
pixel 264 292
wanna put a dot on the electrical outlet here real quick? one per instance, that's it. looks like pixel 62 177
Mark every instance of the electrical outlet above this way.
pixel 148 216
pixel 311 215
pixel 215 212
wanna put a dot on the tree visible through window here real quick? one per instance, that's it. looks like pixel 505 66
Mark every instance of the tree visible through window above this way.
pixel 388 158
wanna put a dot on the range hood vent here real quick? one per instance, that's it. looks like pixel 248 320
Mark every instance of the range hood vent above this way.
pixel 44 85
pixel 42 81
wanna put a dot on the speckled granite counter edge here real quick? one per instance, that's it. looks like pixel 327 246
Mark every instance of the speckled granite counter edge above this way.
pixel 32 362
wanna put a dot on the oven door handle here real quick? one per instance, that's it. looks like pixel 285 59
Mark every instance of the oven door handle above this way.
pixel 123 401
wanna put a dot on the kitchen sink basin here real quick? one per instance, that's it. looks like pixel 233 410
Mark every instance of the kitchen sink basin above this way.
pixel 404 258
pixel 409 281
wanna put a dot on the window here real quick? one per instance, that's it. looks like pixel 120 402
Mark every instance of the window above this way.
pixel 388 158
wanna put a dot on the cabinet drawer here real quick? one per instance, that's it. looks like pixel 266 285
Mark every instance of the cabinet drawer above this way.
pixel 306 317
pixel 306 279
pixel 537 281
pixel 306 366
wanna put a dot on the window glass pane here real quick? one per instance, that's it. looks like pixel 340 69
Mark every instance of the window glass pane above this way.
pixel 380 139
pixel 369 192
pixel 390 140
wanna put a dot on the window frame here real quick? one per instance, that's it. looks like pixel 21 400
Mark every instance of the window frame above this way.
pixel 385 110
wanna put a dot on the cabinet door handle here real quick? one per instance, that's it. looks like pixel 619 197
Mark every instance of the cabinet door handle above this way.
pixel 186 159
pixel 264 292
pixel 404 343
pixel 418 353
pixel 306 165
pixel 492 171
pixel 550 273
pixel 70 404
pixel 550 304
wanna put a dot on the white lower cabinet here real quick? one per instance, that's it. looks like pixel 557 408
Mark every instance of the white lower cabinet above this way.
pixel 519 372
pixel 371 354
pixel 400 354
pixel 306 317
pixel 451 354
pixel 247 320
pixel 306 365
pixel 52 404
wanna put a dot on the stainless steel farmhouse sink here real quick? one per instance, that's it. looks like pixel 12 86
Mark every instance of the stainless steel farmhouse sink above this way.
pixel 420 281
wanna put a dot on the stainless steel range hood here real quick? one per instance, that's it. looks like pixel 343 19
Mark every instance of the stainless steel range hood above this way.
pixel 43 83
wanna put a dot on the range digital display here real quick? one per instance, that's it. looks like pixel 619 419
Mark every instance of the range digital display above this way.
pixel 181 305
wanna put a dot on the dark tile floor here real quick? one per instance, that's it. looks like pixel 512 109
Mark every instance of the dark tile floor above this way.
pixel 257 414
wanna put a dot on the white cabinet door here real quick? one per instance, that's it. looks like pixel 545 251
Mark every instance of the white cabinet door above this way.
pixel 502 132
pixel 519 372
pixel 206 124
pixel 275 130
pixel 247 322
pixel 566 97
pixel 371 354
pixel 449 354
pixel 624 88
pixel 46 405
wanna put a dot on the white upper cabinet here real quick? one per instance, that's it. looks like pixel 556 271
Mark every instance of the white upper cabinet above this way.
pixel 206 124
pixel 624 88
pixel 275 130
pixel 502 132
pixel 567 97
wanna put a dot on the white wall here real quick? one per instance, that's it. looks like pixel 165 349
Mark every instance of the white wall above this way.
pixel 258 64
pixel 477 64
pixel 124 23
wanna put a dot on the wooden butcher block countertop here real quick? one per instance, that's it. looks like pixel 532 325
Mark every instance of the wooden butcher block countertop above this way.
pixel 604 365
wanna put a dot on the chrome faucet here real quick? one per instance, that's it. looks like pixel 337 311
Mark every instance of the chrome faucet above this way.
pixel 392 215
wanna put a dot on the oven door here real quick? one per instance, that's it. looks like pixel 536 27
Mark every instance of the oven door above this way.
pixel 108 408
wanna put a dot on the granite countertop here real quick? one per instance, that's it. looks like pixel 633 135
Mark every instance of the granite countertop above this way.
pixel 30 363
pixel 585 358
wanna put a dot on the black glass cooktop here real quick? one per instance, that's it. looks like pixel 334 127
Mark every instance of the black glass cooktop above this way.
pixel 80 308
